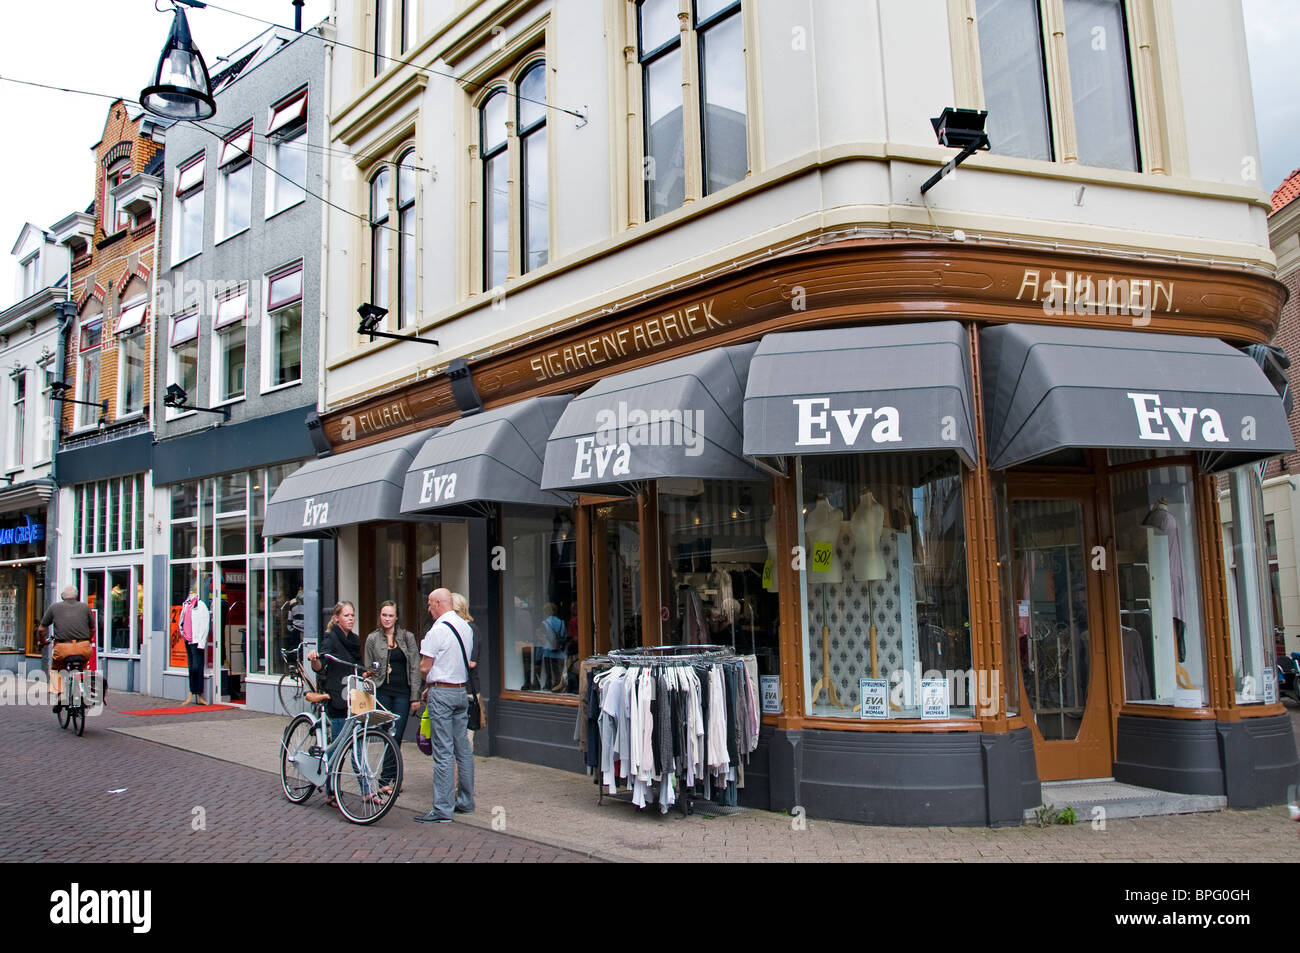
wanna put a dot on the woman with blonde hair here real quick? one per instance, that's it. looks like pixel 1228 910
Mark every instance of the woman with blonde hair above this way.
pixel 460 605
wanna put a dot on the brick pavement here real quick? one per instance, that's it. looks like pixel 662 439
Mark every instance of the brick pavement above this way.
pixel 58 803
pixel 547 809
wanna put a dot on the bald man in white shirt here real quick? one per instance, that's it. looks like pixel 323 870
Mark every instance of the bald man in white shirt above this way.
pixel 443 656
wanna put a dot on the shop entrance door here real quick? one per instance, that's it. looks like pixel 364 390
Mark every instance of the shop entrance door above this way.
pixel 616 578
pixel 1060 630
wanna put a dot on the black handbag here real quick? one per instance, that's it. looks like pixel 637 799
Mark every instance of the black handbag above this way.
pixel 474 711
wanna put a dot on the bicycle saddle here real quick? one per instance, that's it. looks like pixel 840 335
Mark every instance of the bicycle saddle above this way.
pixel 75 663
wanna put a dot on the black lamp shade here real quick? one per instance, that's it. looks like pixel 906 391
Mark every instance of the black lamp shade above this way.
pixel 181 88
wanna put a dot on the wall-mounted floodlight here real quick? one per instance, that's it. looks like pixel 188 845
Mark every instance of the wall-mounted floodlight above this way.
pixel 958 128
pixel 372 316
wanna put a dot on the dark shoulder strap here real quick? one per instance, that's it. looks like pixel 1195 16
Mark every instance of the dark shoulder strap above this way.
pixel 469 672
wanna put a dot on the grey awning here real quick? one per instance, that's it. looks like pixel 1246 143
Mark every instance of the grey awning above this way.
pixel 355 486
pixel 1047 388
pixel 894 387
pixel 493 457
pixel 680 418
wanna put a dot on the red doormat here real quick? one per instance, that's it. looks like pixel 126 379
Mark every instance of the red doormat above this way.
pixel 186 710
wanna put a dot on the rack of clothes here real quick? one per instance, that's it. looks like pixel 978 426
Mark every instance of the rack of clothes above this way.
pixel 666 724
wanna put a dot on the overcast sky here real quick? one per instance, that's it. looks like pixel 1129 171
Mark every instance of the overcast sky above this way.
pixel 112 46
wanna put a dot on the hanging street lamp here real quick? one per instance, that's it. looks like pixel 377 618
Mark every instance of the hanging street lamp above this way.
pixel 181 88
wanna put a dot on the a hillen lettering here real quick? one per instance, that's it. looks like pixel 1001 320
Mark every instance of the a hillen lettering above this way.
pixel 1151 417
pixel 814 428
pixel 648 334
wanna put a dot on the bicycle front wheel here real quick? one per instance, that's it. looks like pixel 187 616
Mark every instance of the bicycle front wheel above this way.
pixel 79 718
pixel 290 691
pixel 296 743
pixel 64 714
pixel 369 760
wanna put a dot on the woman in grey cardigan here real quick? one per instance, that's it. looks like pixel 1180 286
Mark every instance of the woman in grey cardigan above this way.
pixel 398 682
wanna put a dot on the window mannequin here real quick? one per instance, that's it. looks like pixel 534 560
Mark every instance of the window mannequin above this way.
pixel 822 525
pixel 195 623
pixel 866 524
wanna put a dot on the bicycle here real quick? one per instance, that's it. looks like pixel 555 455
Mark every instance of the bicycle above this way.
pixel 72 695
pixel 351 764
pixel 295 683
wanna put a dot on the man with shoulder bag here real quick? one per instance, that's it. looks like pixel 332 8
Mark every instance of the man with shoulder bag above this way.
pixel 444 664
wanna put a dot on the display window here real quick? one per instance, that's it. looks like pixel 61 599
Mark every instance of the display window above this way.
pixel 719 566
pixel 401 562
pixel 1161 630
pixel 1251 618
pixel 883 584
pixel 539 598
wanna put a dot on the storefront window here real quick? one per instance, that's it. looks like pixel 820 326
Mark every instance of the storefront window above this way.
pixel 108 516
pixel 721 567
pixel 255 597
pixel 540 600
pixel 1250 603
pixel 1163 641
pixel 884 587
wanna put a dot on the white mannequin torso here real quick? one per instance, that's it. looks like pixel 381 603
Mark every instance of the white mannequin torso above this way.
pixel 822 525
pixel 866 524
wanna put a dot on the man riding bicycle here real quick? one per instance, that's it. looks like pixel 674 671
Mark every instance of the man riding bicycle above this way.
pixel 73 622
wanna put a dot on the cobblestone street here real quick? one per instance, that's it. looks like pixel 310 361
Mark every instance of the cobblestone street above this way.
pixel 225 762
pixel 109 797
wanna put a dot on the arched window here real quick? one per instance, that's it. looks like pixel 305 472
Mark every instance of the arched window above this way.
pixel 493 149
pixel 531 110
pixel 379 190
pixel 406 239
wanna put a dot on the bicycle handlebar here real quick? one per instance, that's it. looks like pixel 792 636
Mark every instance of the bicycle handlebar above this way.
pixel 373 667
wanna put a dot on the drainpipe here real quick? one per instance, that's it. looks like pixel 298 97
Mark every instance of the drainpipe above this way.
pixel 146 651
pixel 324 237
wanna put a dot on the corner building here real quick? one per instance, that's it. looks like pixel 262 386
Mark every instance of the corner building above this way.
pixel 712 369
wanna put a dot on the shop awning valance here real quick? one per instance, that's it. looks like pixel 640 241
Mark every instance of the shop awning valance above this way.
pixel 492 457
pixel 680 418
pixel 355 486
pixel 1048 388
pixel 889 388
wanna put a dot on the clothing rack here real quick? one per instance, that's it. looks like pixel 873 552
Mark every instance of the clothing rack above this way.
pixel 654 661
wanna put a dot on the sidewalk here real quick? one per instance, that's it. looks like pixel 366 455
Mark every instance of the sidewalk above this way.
pixel 559 809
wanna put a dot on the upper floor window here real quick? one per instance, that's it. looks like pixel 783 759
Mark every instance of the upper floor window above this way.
pixel 380 186
pixel 286 153
pixel 235 185
pixel 184 360
pixel 230 344
pixel 131 350
pixel 45 429
pixel 283 342
pixel 115 219
pixel 30 270
pixel 18 420
pixel 1083 113
pixel 717 108
pixel 391 221
pixel 88 357
pixel 187 230
pixel 394 31
pixel 512 136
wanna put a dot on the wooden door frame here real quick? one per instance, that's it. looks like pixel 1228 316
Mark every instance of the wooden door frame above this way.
pixel 1082 488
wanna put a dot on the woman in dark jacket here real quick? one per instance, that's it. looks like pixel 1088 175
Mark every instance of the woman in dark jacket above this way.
pixel 342 643
pixel 397 685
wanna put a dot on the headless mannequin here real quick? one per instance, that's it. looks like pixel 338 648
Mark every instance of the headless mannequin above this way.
pixel 196 650
pixel 769 536
pixel 868 519
pixel 822 525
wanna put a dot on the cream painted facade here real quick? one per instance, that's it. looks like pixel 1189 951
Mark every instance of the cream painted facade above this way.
pixel 839 104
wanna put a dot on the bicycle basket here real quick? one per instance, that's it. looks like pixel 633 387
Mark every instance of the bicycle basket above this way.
pixel 361 695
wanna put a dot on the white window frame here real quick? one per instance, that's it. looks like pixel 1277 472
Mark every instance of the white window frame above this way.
pixel 115 219
pixel 235 157
pixel 82 411
pixel 45 438
pixel 189 187
pixel 286 129
pixel 270 308
pixel 18 420
pixel 130 330
pixel 30 271
pixel 229 311
pixel 173 359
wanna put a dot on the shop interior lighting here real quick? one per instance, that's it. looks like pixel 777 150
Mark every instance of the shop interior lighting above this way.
pixel 958 129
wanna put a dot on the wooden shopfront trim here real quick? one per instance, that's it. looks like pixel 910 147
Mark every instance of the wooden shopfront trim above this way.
pixel 850 282
pixel 1214 603
pixel 1168 711
pixel 892 725
pixel 785 505
pixel 514 695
